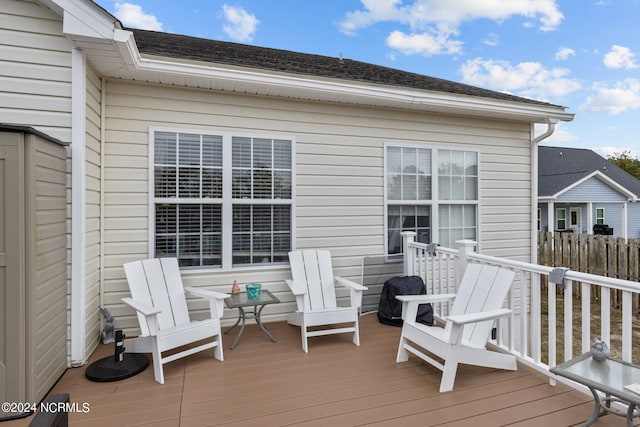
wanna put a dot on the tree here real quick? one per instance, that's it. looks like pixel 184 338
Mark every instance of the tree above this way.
pixel 625 162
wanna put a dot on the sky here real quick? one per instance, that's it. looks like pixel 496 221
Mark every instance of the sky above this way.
pixel 581 54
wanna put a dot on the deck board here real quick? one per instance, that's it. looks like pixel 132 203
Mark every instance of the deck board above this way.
pixel 336 383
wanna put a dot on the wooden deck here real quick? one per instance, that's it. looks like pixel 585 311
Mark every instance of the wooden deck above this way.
pixel 336 384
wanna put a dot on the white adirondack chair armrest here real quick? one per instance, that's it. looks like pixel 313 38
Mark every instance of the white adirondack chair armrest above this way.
pixel 295 288
pixel 150 313
pixel 349 284
pixel 355 290
pixel 423 299
pixel 410 303
pixel 299 292
pixel 143 308
pixel 463 319
pixel 206 293
pixel 216 299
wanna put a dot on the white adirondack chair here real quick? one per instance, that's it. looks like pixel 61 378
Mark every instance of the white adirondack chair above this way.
pixel 476 306
pixel 313 285
pixel 158 296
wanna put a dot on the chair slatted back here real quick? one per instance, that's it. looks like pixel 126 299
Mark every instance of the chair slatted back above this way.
pixel 312 271
pixel 483 288
pixel 157 282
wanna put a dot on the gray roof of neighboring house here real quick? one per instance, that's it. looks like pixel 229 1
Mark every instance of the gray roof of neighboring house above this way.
pixel 241 55
pixel 560 167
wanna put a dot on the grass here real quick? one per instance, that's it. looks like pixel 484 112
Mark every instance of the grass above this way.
pixel 615 343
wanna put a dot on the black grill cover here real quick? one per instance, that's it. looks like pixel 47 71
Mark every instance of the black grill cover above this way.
pixel 390 309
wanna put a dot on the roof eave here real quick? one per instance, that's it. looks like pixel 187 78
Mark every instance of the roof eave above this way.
pixel 267 83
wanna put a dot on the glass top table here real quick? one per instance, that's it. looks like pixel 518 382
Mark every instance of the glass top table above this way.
pixel 240 301
pixel 609 377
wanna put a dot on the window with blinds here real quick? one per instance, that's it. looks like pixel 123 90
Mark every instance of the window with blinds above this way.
pixel 221 200
pixel 433 192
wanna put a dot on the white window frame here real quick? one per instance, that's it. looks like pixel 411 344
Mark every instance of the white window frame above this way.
pixel 602 218
pixel 226 201
pixel 564 218
pixel 435 201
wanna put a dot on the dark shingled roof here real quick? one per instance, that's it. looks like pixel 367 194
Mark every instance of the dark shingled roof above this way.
pixel 560 167
pixel 242 55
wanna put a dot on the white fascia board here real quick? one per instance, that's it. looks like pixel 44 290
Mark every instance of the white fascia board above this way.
pixel 83 18
pixel 461 104
pixel 601 176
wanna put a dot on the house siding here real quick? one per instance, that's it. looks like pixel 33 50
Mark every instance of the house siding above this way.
pixel 591 190
pixel 339 201
pixel 35 69
pixel 633 216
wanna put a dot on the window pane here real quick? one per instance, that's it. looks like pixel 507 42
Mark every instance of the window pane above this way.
pixel 456 222
pixel 241 184
pixel 190 232
pixel 261 233
pixel 262 156
pixel 394 184
pixel 212 183
pixel 394 163
pixel 165 144
pixel 407 218
pixel 189 182
pixel 189 149
pixel 212 151
pixel 282 154
pixel 424 188
pixel 444 187
pixel 262 184
pixel 241 152
pixel 282 185
pixel 165 181
pixel 409 187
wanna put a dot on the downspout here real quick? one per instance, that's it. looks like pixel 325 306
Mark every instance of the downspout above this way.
pixel 78 254
pixel 103 155
pixel 551 126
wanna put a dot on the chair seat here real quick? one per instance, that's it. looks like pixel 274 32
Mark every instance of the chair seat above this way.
pixel 476 306
pixel 158 296
pixel 186 334
pixel 313 285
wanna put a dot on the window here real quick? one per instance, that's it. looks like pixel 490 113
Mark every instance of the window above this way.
pixel 416 198
pixel 221 200
pixel 600 216
pixel 561 219
pixel 539 219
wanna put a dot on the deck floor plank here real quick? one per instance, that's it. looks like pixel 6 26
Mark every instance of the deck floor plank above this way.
pixel 336 383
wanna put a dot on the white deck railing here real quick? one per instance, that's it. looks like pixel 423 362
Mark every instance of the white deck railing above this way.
pixel 522 333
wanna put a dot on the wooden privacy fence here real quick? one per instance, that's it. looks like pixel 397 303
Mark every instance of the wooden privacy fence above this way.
pixel 596 254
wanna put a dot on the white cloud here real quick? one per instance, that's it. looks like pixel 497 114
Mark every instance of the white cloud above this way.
pixel 424 43
pixel 432 23
pixel 620 57
pixel 240 24
pixel 560 136
pixel 491 39
pixel 529 79
pixel 132 15
pixel 564 53
pixel 615 99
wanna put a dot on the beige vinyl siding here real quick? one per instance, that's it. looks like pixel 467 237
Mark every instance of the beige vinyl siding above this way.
pixel 339 201
pixel 92 204
pixel 35 69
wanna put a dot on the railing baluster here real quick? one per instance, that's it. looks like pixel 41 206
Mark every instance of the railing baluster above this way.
pixel 605 314
pixel 627 314
pixel 586 317
pixel 568 320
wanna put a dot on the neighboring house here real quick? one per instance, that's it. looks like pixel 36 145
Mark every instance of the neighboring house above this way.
pixel 579 190
pixel 228 156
